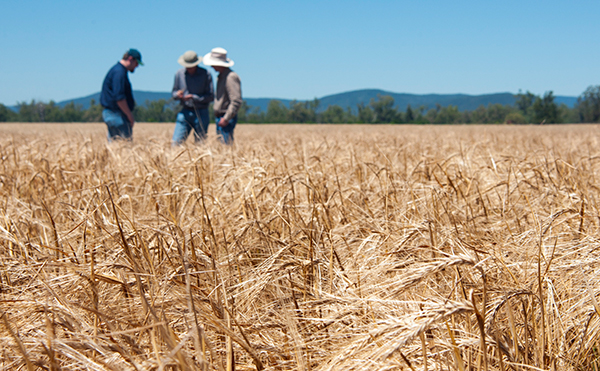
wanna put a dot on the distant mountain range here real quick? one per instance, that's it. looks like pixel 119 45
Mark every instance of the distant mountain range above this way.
pixel 351 99
pixel 464 102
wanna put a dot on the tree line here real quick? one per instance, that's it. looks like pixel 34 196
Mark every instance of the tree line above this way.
pixel 528 108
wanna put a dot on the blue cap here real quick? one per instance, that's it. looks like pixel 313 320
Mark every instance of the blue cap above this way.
pixel 136 55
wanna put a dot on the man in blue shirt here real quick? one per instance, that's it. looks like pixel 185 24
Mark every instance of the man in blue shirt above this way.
pixel 193 87
pixel 117 97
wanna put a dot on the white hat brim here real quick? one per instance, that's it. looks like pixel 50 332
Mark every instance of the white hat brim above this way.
pixel 209 61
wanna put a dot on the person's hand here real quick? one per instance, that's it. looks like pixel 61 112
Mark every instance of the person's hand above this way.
pixel 223 122
pixel 179 94
pixel 188 96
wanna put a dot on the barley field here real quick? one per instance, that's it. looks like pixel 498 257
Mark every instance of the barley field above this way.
pixel 301 247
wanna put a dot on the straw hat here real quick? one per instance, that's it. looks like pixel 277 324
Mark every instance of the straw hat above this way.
pixel 189 59
pixel 217 57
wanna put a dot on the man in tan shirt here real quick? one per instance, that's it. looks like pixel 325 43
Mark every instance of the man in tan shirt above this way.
pixel 228 99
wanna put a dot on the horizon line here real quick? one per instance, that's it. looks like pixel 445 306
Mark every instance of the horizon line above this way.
pixel 308 99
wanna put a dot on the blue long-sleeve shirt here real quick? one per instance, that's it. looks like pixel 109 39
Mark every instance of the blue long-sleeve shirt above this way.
pixel 199 85
pixel 116 87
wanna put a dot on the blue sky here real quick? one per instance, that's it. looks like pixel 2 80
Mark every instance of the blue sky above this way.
pixel 57 50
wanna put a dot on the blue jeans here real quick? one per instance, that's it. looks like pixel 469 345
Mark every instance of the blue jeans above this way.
pixel 226 132
pixel 118 125
pixel 186 121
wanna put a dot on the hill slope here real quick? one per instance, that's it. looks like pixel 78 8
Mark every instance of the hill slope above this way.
pixel 464 102
pixel 351 99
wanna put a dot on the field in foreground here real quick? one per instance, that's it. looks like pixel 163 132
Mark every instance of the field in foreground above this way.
pixel 301 248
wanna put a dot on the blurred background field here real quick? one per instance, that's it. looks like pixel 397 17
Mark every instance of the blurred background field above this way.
pixel 301 247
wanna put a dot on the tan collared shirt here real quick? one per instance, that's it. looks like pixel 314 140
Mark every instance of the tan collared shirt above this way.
pixel 229 95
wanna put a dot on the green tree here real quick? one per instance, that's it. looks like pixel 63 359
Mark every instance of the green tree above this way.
pixel 524 102
pixel 465 117
pixel 432 113
pixel 334 114
pixel 50 112
pixel 492 114
pixel 211 113
pixel 496 113
pixel 588 105
pixel 365 114
pixel 301 112
pixel 140 114
pixel 93 113
pixel 70 113
pixel 247 113
pixel 384 110
pixel 160 110
pixel 351 118
pixel 242 111
pixel 479 115
pixel 277 112
pixel 448 115
pixel 568 115
pixel 32 112
pixel 420 117
pixel 515 117
pixel 313 106
pixel 545 109
pixel 6 114
pixel 409 116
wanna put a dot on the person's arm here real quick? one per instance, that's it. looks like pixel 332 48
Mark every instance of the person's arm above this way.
pixel 125 109
pixel 233 87
pixel 118 86
pixel 177 93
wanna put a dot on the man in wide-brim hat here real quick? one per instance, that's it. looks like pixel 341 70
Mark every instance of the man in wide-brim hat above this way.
pixel 193 87
pixel 229 93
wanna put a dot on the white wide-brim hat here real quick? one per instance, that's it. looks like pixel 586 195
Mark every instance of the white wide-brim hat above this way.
pixel 189 59
pixel 217 57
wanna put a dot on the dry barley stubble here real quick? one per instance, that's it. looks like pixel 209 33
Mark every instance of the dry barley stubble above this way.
pixel 302 247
